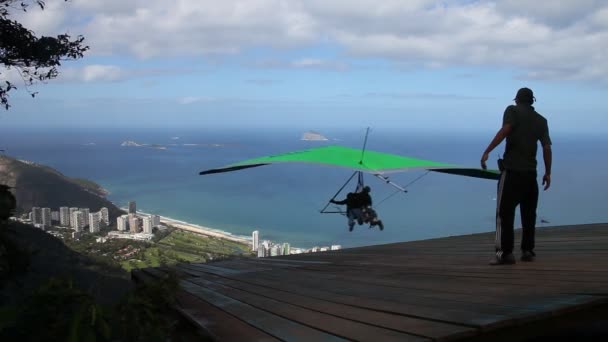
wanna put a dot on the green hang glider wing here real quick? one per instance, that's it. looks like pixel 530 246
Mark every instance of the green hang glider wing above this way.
pixel 372 162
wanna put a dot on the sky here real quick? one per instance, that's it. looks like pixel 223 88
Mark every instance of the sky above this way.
pixel 422 65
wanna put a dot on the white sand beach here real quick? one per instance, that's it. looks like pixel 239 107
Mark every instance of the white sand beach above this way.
pixel 195 228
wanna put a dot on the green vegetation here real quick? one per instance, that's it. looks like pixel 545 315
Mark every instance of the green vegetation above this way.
pixel 182 246
pixel 169 248
pixel 90 185
pixel 67 313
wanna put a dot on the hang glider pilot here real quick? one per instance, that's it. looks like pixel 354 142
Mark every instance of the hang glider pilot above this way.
pixel 359 208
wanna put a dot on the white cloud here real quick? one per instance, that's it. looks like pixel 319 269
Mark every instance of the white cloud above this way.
pixel 542 39
pixel 94 73
pixel 318 64
pixel 193 99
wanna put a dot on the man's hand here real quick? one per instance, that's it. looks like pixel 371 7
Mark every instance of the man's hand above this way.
pixel 332 201
pixel 484 159
pixel 547 181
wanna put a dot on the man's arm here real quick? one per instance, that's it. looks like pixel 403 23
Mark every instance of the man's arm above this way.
pixel 504 131
pixel 338 202
pixel 548 158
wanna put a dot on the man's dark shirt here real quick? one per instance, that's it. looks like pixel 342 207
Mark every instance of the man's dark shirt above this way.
pixel 365 200
pixel 356 200
pixel 527 128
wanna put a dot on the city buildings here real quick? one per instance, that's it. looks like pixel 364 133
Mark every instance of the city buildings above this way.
pixel 46 217
pixel 122 223
pixel 55 216
pixel 134 223
pixel 85 212
pixel 132 207
pixel 286 249
pixel 105 216
pixel 155 220
pixel 77 221
pixel 147 223
pixel 255 240
pixel 37 215
pixel 94 222
pixel 64 216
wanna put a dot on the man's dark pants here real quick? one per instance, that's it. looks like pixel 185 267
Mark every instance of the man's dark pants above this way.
pixel 516 188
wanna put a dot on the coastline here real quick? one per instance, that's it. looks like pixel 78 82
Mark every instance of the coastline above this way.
pixel 195 228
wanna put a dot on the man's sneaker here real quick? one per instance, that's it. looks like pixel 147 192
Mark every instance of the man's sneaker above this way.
pixel 508 259
pixel 380 224
pixel 350 227
pixel 527 256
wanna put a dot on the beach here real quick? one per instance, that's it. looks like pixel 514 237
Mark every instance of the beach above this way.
pixel 195 228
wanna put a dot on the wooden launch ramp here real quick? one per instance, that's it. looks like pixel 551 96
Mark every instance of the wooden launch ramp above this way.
pixel 439 289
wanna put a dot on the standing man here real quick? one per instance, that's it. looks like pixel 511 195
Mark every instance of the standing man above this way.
pixel 523 127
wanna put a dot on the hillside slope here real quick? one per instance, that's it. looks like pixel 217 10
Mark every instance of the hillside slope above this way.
pixel 37 185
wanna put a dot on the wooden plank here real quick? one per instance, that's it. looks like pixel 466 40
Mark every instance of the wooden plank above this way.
pixel 405 324
pixel 217 323
pixel 271 324
pixel 451 316
pixel 334 325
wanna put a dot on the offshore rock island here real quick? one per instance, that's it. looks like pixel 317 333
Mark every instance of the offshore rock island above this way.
pixel 313 136
pixel 132 143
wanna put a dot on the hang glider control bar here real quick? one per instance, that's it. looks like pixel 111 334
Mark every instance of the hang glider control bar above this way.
pixel 388 181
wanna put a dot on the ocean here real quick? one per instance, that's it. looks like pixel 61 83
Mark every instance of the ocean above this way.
pixel 283 201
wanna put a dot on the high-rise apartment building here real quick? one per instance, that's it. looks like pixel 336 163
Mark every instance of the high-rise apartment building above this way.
pixel 94 222
pixel 255 240
pixel 147 225
pixel 132 208
pixel 64 216
pixel 46 217
pixel 122 223
pixel 85 213
pixel 286 249
pixel 105 215
pixel 77 221
pixel 134 223
pixel 155 220
pixel 37 215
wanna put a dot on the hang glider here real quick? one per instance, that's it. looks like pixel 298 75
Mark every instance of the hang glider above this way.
pixel 376 163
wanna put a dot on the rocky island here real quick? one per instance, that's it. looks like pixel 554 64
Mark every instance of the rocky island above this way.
pixel 313 136
pixel 135 144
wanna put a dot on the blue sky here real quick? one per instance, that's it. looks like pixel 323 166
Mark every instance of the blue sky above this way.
pixel 413 65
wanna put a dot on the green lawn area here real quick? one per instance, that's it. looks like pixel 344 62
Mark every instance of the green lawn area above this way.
pixel 178 246
pixel 181 246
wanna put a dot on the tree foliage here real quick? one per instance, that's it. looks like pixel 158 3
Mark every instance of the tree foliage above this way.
pixel 35 58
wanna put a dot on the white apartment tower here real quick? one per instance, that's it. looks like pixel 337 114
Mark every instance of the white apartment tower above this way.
pixel 122 223
pixel 94 222
pixel 72 210
pixel 132 207
pixel 255 240
pixel 148 225
pixel 261 251
pixel 133 223
pixel 85 212
pixel 286 248
pixel 77 221
pixel 105 215
pixel 155 220
pixel 64 216
pixel 36 215
pixel 46 217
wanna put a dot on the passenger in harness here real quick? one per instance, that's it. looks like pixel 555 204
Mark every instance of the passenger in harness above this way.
pixel 359 208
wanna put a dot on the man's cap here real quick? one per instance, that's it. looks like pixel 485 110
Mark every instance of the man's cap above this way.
pixel 525 94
